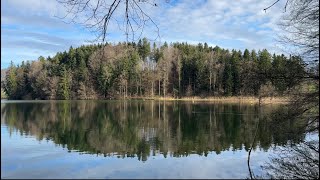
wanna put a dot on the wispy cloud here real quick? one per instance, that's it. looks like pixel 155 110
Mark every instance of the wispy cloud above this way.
pixel 33 25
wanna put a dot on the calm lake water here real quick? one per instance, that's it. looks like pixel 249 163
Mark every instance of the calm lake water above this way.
pixel 135 139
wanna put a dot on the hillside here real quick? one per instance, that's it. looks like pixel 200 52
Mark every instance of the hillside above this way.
pixel 137 70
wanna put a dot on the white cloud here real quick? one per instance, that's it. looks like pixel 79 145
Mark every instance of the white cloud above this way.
pixel 229 24
pixel 219 20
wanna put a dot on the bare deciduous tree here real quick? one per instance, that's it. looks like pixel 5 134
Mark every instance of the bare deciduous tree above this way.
pixel 300 25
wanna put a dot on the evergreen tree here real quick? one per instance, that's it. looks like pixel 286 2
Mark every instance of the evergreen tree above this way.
pixel 104 78
pixel 82 70
pixel 228 80
pixel 246 55
pixel 11 82
pixel 64 85
pixel 144 48
pixel 254 56
pixel 235 72
pixel 72 58
pixel 264 66
pixel 180 69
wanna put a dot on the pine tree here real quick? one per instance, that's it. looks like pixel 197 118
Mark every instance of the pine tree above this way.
pixel 64 85
pixel 264 66
pixel 144 48
pixel 228 79
pixel 82 70
pixel 11 82
pixel 246 55
pixel 254 56
pixel 104 78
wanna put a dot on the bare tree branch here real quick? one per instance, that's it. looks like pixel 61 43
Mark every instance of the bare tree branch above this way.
pixel 285 7
pixel 96 15
pixel 265 9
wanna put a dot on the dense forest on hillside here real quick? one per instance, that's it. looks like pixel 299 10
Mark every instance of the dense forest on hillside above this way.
pixel 140 69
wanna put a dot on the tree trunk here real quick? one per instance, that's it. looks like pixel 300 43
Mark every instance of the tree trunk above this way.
pixel 126 89
pixel 140 86
pixel 159 90
pixel 152 88
pixel 194 85
pixel 164 87
pixel 210 82
pixel 214 82
pixel 137 87
pixel 179 84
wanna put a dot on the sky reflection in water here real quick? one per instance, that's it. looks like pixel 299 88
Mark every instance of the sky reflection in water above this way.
pixel 92 140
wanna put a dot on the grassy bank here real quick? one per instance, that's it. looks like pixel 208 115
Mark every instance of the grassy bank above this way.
pixel 232 99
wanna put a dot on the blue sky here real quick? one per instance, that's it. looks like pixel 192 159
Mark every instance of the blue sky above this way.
pixel 31 28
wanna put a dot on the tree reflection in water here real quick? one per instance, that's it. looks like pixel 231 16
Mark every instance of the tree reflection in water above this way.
pixel 296 160
pixel 142 129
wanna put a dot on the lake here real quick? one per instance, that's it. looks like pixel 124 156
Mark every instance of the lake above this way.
pixel 137 139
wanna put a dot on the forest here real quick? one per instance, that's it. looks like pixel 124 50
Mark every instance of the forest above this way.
pixel 145 69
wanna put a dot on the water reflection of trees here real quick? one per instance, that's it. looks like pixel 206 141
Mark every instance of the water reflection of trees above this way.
pixel 144 128
pixel 296 160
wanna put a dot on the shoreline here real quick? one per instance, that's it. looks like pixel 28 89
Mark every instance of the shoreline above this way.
pixel 232 99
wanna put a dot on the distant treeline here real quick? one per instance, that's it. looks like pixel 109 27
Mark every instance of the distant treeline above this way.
pixel 137 69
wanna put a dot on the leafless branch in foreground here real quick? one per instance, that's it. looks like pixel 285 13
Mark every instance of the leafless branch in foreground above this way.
pixel 285 7
pixel 96 15
pixel 298 162
pixel 300 27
